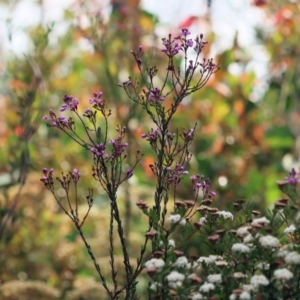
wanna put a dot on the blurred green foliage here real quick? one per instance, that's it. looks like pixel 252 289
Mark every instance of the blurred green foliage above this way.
pixel 241 138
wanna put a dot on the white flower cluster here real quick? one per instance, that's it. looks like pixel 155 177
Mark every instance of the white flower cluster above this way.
pixel 171 243
pixel 209 259
pixel 239 247
pixel 283 274
pixel 207 287
pixel 243 296
pixel 248 237
pixel 182 261
pixel 175 279
pixel 215 278
pixel 155 286
pixel 290 229
pixel 244 232
pixel 176 218
pixel 225 214
pixel 263 266
pixel 257 280
pixel 196 296
pixel 239 275
pixel 202 220
pixel 269 241
pixel 292 258
pixel 260 222
pixel 154 263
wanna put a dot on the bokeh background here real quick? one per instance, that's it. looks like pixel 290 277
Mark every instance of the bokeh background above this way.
pixel 247 120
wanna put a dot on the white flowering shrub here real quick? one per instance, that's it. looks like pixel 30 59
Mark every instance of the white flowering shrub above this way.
pixel 251 256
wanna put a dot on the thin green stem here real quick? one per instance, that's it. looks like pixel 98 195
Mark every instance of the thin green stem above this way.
pixel 97 266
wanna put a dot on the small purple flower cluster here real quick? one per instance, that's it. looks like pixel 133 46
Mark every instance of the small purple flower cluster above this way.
pixel 172 47
pixel 186 43
pixel 207 66
pixel 125 84
pixel 152 136
pixel 59 122
pixel 182 87
pixel 138 56
pixel 98 151
pixel 155 97
pixel 75 176
pixel 70 103
pixel 174 175
pixel 88 113
pixel 65 180
pixel 96 147
pixel 47 179
pixel 199 44
pixel 188 136
pixel 199 183
pixel 118 146
pixel 129 173
pixel 97 101
pixel 293 179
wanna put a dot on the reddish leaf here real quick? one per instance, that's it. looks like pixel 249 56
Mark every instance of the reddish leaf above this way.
pixel 187 22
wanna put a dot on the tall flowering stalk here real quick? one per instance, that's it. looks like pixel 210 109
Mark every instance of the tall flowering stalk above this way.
pixel 171 149
pixel 109 157
pixel 109 154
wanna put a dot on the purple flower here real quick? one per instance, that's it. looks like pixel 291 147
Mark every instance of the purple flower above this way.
pixel 46 172
pixel 97 99
pixel 70 103
pixel 55 121
pixel 52 122
pixel 200 184
pixel 138 56
pixel 129 173
pixel 199 45
pixel 118 147
pixel 174 175
pixel 188 136
pixel 47 179
pixel 193 178
pixel 293 179
pixel 88 113
pixel 171 47
pixel 47 119
pixel 99 150
pixel 155 96
pixel 125 84
pixel 211 65
pixel 190 43
pixel 152 136
pixel 52 114
pixel 75 175
pixel 185 32
pixel 63 120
